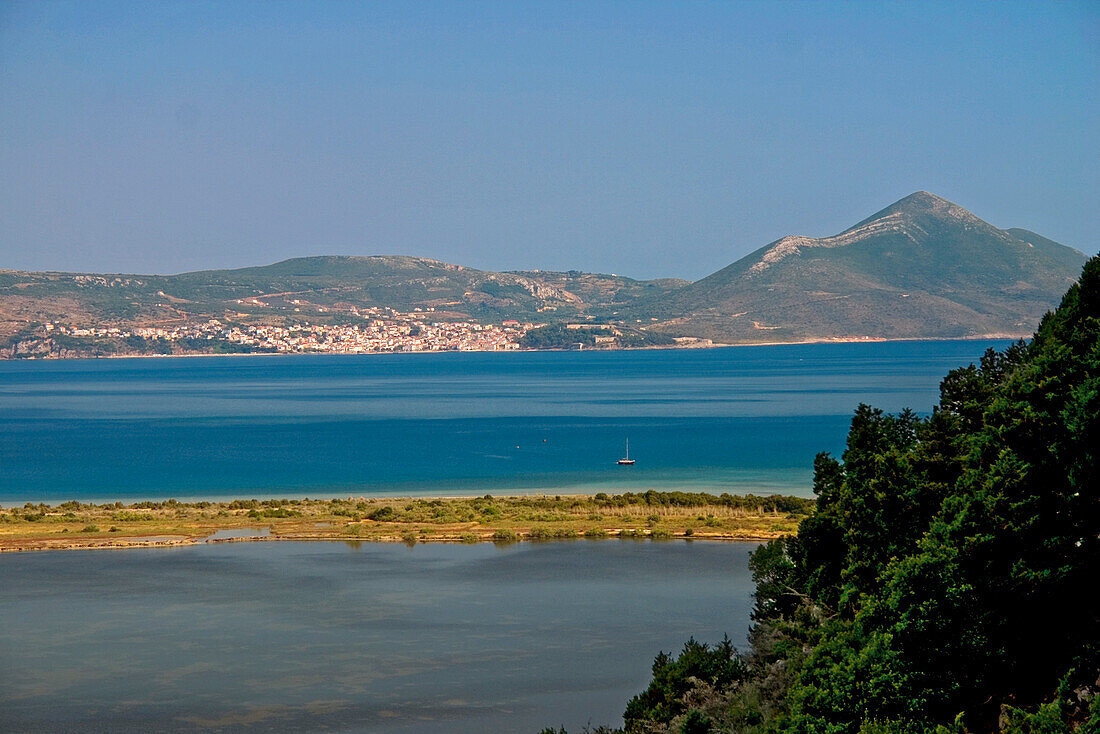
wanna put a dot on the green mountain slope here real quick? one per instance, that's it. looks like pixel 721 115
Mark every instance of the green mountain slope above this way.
pixel 320 288
pixel 920 268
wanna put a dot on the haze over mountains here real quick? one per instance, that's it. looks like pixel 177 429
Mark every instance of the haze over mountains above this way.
pixel 920 268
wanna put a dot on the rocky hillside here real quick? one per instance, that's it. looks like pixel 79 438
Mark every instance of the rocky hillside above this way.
pixel 920 268
pixel 313 288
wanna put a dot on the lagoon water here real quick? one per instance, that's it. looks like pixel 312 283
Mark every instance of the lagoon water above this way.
pixel 327 636
pixel 746 419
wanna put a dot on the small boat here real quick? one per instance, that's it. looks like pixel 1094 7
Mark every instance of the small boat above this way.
pixel 626 460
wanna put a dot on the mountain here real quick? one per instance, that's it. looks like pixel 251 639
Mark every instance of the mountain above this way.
pixel 920 268
pixel 319 289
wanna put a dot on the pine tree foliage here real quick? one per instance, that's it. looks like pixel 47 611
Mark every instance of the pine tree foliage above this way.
pixel 947 579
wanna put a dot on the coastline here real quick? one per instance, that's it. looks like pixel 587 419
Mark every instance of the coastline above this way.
pixel 30 546
pixel 653 516
pixel 713 345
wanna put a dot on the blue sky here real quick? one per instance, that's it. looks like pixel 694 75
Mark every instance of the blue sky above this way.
pixel 646 139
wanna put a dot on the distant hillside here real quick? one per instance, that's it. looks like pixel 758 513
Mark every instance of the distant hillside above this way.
pixel 920 268
pixel 317 288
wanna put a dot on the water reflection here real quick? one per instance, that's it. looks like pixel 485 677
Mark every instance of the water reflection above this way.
pixel 239 533
pixel 352 636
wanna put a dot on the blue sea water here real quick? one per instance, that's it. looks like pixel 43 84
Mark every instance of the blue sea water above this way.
pixel 737 420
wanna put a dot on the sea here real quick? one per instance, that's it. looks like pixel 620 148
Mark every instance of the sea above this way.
pixel 430 639
pixel 737 420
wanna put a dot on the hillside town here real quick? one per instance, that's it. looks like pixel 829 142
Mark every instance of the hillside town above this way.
pixel 398 333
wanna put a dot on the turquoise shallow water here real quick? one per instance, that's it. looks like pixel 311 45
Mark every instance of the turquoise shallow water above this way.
pixel 723 420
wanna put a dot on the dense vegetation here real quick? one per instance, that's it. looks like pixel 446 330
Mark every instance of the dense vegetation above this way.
pixel 559 336
pixel 946 581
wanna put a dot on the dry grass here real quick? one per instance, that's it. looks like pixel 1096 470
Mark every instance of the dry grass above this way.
pixel 461 519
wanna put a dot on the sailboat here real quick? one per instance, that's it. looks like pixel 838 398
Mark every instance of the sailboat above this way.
pixel 626 460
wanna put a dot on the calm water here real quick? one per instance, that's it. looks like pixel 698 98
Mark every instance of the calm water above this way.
pixel 270 636
pixel 312 636
pixel 736 420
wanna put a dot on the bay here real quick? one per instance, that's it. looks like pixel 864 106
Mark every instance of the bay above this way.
pixel 746 419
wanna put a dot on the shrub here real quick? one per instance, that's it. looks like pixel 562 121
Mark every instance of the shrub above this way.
pixel 540 534
pixel 696 722
pixel 673 677
pixel 504 535
pixel 383 514
pixel 131 517
pixel 279 512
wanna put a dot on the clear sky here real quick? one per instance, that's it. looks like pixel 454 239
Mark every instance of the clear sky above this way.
pixel 646 139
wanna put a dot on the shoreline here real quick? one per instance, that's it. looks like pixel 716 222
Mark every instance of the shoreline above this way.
pixel 27 546
pixel 580 489
pixel 823 340
pixel 652 516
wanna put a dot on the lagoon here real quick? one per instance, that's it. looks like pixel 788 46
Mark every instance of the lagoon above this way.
pixel 337 637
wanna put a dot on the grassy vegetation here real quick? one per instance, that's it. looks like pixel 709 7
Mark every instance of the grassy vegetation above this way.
pixel 653 515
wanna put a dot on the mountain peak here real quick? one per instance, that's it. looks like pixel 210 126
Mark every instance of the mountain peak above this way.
pixel 897 218
pixel 921 200
pixel 923 203
pixel 922 267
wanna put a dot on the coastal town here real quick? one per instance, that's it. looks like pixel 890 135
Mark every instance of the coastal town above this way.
pixel 385 331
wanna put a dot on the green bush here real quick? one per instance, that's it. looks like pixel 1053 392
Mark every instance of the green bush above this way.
pixel 383 514
pixel 673 677
pixel 504 535
pixel 542 534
